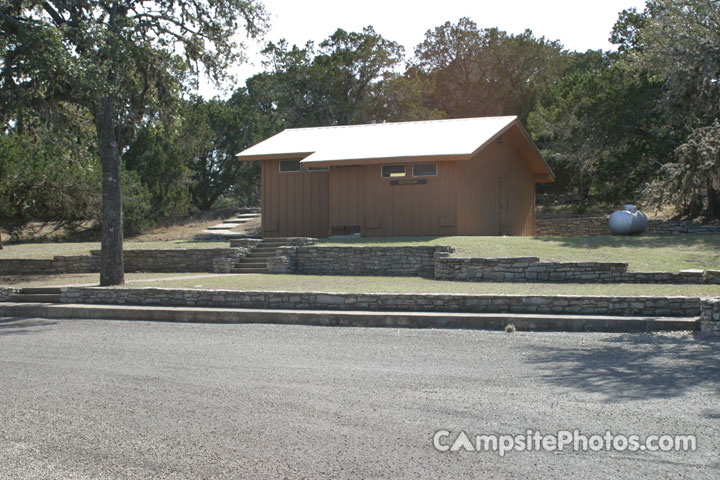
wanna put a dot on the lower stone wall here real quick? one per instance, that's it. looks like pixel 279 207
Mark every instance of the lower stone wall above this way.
pixel 710 316
pixel 570 304
pixel 179 260
pixel 160 261
pixel 54 266
pixel 530 269
pixel 6 293
pixel 581 226
pixel 400 261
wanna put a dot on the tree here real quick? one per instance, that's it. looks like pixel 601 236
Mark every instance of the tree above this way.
pixel 46 174
pixel 598 128
pixel 218 131
pixel 334 84
pixel 157 156
pixel 678 41
pixel 486 72
pixel 121 61
pixel 692 182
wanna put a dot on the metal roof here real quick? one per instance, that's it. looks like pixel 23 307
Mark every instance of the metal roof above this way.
pixel 457 139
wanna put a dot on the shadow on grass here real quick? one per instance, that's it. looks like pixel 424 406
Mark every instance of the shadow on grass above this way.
pixel 22 326
pixel 634 366
pixel 704 242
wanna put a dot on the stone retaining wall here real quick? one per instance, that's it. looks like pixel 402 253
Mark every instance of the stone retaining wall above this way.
pixel 160 261
pixel 577 305
pixel 400 261
pixel 530 269
pixel 581 226
pixel 6 293
pixel 710 316
pixel 53 266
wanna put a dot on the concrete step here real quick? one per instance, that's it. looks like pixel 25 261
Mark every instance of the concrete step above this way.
pixel 36 298
pixel 248 215
pixel 487 321
pixel 221 226
pixel 223 235
pixel 236 221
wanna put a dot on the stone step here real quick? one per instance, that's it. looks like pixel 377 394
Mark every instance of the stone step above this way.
pixel 257 257
pixel 487 321
pixel 261 253
pixel 248 215
pixel 242 269
pixel 36 298
pixel 270 250
pixel 251 264
pixel 236 221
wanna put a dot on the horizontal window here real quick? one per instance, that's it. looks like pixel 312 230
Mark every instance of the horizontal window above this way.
pixel 392 171
pixel 317 169
pixel 287 166
pixel 424 169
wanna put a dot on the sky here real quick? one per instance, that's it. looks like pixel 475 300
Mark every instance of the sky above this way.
pixel 578 24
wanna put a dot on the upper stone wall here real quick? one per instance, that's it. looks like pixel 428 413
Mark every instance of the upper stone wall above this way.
pixel 400 261
pixel 160 261
pixel 583 226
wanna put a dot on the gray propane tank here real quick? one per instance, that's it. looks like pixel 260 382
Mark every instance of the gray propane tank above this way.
pixel 628 221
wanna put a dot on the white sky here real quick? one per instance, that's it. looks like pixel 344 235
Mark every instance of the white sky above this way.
pixel 578 24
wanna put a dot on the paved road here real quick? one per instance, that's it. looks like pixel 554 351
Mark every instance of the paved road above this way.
pixel 111 399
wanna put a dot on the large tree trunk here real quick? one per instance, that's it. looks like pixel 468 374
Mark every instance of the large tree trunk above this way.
pixel 112 270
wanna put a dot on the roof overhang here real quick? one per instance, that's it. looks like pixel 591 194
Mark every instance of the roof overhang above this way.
pixel 402 142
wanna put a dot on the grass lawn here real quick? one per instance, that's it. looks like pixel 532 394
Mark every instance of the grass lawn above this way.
pixel 327 283
pixel 49 250
pixel 90 279
pixel 643 253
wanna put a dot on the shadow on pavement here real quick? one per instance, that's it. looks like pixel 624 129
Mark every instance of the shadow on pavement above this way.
pixel 22 326
pixel 633 367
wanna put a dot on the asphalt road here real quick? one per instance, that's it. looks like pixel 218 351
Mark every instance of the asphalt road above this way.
pixel 111 399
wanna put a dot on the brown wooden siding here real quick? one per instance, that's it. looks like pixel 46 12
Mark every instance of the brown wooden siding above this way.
pixel 479 194
pixel 463 199
pixel 294 204
pixel 359 196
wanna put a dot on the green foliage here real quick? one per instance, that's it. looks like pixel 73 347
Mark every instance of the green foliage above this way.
pixel 214 131
pixel 333 85
pixel 598 130
pixel 693 181
pixel 678 42
pixel 157 157
pixel 484 72
pixel 41 179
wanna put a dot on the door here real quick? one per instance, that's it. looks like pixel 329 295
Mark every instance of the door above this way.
pixel 504 206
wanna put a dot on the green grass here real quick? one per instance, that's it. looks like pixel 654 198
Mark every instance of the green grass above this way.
pixel 327 283
pixel 643 253
pixel 49 250
pixel 89 279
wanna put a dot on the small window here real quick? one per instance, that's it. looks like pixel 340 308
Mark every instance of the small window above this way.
pixel 392 171
pixel 317 169
pixel 424 169
pixel 288 166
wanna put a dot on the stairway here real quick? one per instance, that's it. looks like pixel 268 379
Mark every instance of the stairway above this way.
pixel 224 230
pixel 37 295
pixel 256 260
